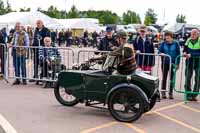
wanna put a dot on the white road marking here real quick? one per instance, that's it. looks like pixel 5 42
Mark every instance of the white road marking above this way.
pixel 6 125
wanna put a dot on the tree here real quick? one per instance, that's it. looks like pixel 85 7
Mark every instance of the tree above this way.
pixel 181 18
pixel 8 7
pixel 53 12
pixel 147 20
pixel 105 17
pixel 25 9
pixel 73 13
pixel 63 14
pixel 130 17
pixel 138 19
pixel 151 16
pixel 2 8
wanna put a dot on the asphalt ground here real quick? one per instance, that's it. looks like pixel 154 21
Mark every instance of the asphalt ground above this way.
pixel 32 109
pixel 2 130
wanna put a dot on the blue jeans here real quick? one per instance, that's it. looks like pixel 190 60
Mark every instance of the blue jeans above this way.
pixel 20 63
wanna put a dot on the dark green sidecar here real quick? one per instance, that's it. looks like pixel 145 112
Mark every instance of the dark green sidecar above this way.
pixel 126 96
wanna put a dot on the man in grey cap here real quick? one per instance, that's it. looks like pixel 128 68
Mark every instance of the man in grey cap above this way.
pixel 124 55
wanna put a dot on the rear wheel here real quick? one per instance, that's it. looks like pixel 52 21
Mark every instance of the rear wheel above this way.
pixel 64 96
pixel 126 104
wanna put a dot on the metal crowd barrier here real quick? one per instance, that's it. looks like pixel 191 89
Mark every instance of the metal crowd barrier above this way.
pixel 67 59
pixel 152 65
pixel 85 55
pixel 24 62
pixel 188 77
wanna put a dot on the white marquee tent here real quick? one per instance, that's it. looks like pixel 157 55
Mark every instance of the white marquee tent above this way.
pixel 26 18
pixel 30 18
pixel 80 23
pixel 173 27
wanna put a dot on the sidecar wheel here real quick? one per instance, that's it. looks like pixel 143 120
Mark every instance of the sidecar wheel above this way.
pixel 64 97
pixel 126 105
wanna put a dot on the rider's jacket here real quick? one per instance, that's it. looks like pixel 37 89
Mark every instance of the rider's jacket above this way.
pixel 125 59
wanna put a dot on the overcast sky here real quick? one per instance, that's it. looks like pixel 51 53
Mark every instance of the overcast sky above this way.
pixel 168 7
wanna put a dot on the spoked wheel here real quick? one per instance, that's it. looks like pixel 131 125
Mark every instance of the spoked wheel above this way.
pixel 64 96
pixel 126 105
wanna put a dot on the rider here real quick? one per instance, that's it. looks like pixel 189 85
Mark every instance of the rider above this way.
pixel 123 57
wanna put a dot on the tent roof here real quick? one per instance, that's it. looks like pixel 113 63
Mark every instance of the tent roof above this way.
pixel 136 26
pixel 74 20
pixel 152 28
pixel 26 18
pixel 174 28
pixel 192 26
pixel 82 23
pixel 131 30
pixel 178 27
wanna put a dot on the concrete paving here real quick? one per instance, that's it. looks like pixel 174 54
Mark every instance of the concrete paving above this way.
pixel 32 109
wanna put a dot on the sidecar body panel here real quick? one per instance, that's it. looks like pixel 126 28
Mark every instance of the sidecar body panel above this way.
pixel 85 84
pixel 73 80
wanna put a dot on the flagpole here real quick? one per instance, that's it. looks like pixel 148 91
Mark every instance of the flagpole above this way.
pixel 65 9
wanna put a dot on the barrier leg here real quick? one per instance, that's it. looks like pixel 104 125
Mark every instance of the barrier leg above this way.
pixel 185 97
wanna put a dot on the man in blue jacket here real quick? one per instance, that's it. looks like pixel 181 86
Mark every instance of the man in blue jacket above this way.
pixel 171 48
pixel 40 33
pixel 192 54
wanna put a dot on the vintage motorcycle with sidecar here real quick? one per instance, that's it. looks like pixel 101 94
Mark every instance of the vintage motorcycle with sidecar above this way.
pixel 127 97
